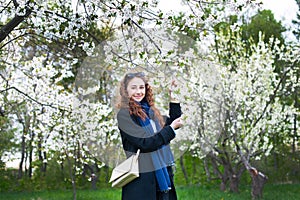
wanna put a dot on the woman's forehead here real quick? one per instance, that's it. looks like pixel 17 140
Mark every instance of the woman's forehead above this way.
pixel 136 81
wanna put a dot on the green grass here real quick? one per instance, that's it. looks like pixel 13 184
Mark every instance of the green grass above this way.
pixel 105 194
pixel 271 192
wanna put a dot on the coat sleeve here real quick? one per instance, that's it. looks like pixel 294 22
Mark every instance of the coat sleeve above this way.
pixel 174 112
pixel 135 136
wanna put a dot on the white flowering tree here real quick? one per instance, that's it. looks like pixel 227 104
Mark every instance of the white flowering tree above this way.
pixel 42 44
pixel 253 111
pixel 52 119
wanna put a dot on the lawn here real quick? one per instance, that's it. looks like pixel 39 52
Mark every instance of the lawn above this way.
pixel 271 192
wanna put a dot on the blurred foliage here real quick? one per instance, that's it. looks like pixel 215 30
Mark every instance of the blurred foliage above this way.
pixel 296 22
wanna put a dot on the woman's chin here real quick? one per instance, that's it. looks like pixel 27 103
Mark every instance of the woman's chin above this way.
pixel 138 99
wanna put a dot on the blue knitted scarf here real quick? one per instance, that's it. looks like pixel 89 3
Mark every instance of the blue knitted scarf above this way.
pixel 161 158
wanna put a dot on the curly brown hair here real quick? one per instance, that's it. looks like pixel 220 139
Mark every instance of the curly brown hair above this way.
pixel 135 108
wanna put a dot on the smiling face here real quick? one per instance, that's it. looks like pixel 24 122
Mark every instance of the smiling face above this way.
pixel 136 89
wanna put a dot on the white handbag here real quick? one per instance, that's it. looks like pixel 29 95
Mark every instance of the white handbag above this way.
pixel 125 172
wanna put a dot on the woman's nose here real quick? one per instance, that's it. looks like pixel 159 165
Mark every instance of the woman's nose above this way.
pixel 139 91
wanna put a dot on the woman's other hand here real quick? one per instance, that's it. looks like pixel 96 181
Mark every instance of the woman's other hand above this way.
pixel 177 123
pixel 172 93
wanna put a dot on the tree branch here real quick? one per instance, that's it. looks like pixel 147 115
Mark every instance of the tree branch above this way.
pixel 146 35
pixel 5 7
pixel 15 38
pixel 13 23
pixel 90 34
pixel 272 97
pixel 29 97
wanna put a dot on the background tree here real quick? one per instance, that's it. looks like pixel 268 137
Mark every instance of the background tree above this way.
pixel 265 22
pixel 296 22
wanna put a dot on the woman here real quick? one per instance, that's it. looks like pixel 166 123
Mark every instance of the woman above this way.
pixel 142 127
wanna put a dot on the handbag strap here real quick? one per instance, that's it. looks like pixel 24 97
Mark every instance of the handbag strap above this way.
pixel 137 154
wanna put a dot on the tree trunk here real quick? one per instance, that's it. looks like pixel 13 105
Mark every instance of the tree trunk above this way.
pixel 92 171
pixel 94 177
pixel 62 170
pixel 206 168
pixel 26 125
pixel 107 175
pixel 234 183
pixel 42 156
pixel 44 168
pixel 222 176
pixel 30 163
pixel 295 136
pixel 223 184
pixel 294 147
pixel 183 170
pixel 72 177
pixel 25 162
pixel 258 182
pixel 30 155
pixel 20 172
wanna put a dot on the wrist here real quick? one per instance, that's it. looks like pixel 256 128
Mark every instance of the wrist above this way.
pixel 174 100
pixel 174 97
pixel 173 129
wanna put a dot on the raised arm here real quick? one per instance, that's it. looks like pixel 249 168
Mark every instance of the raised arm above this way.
pixel 174 112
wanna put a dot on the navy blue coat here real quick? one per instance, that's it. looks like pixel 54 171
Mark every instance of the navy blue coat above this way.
pixel 145 186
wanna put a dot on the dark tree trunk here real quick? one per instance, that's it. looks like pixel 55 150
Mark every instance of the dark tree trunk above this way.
pixel 25 162
pixel 26 125
pixel 222 176
pixel 223 184
pixel 183 170
pixel 20 173
pixel 92 173
pixel 30 163
pixel 107 174
pixel 42 156
pixel 44 168
pixel 94 176
pixel 206 168
pixel 30 155
pixel 73 177
pixel 258 182
pixel 234 183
